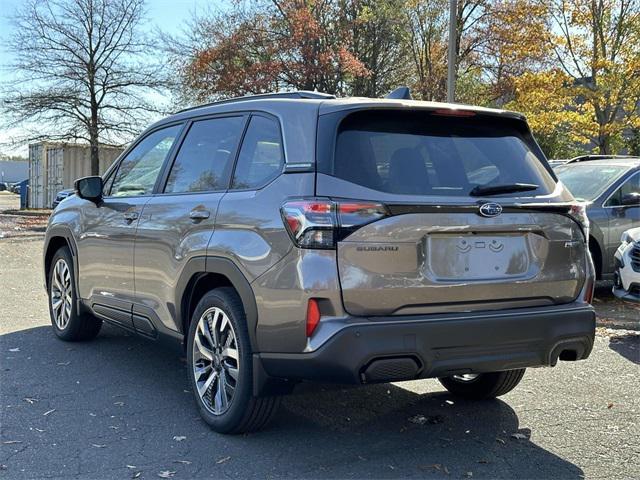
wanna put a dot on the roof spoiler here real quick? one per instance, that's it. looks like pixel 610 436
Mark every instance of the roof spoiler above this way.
pixel 400 93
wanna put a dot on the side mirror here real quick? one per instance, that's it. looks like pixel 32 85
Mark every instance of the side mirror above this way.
pixel 631 200
pixel 89 188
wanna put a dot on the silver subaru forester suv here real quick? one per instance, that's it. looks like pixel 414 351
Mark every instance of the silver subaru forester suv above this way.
pixel 289 237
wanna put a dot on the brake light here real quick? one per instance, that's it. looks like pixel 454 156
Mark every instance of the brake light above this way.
pixel 321 223
pixel 313 316
pixel 453 112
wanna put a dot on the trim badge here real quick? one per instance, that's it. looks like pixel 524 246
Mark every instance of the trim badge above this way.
pixel 490 209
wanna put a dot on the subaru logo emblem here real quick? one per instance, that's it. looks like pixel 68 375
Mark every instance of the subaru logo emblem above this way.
pixel 490 210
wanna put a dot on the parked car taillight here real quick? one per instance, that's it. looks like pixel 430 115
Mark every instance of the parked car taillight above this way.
pixel 579 213
pixel 321 223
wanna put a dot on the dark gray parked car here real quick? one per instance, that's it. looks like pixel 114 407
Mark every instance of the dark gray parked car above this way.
pixel 297 236
pixel 611 187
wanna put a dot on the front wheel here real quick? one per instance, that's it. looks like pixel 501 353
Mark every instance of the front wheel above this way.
pixel 68 323
pixel 220 366
pixel 483 385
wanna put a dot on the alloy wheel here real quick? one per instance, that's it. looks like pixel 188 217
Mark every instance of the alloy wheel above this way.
pixel 216 362
pixel 61 294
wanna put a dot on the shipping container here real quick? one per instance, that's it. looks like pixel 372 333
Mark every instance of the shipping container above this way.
pixel 56 166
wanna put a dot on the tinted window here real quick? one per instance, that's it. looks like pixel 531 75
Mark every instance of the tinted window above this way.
pixel 261 155
pixel 588 181
pixel 139 170
pixel 204 161
pixel 629 188
pixel 420 153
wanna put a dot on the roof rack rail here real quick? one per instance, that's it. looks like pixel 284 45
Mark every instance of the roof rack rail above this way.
pixel 586 158
pixel 301 94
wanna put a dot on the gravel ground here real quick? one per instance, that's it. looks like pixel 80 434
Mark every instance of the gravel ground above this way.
pixel 119 407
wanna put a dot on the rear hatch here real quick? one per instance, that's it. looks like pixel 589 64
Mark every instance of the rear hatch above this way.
pixel 474 218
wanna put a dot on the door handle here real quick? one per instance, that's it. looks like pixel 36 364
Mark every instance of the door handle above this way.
pixel 199 214
pixel 130 216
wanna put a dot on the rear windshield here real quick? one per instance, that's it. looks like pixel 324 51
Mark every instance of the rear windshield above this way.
pixel 420 153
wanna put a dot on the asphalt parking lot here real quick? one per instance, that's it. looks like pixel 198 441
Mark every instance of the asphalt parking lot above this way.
pixel 119 407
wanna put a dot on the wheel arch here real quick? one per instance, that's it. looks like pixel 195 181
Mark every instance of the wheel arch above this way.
pixel 201 275
pixel 57 238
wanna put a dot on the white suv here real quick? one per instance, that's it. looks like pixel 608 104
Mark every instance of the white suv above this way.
pixel 627 258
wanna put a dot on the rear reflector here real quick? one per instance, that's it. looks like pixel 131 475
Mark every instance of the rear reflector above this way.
pixel 588 292
pixel 313 316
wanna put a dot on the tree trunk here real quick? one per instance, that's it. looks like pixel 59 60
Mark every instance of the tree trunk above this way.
pixel 94 144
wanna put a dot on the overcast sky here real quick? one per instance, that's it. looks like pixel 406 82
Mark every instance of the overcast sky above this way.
pixel 168 15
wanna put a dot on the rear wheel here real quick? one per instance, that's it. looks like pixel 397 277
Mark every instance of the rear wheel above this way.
pixel 220 366
pixel 483 385
pixel 68 323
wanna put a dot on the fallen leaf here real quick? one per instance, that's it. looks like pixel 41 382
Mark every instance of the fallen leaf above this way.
pixel 519 436
pixel 179 438
pixel 222 460
pixel 610 406
pixel 166 474
pixel 48 412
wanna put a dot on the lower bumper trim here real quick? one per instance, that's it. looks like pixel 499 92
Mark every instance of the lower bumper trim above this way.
pixel 442 348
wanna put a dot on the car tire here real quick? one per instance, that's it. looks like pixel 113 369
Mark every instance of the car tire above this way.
pixel 483 385
pixel 69 324
pixel 220 366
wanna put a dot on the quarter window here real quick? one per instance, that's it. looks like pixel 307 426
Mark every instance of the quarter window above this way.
pixel 261 156
pixel 205 159
pixel 139 170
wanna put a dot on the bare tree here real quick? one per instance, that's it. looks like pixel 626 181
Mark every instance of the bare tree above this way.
pixel 81 71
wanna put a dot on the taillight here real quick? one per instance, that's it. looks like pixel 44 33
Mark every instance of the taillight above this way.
pixel 588 291
pixel 321 223
pixel 578 212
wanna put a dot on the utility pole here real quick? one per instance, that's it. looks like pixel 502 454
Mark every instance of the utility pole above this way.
pixel 451 66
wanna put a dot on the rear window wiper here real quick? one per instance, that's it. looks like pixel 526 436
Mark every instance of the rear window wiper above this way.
pixel 481 190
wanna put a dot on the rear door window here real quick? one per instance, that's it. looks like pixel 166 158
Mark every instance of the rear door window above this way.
pixel 419 153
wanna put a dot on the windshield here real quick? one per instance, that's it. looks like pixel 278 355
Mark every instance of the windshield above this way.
pixel 423 153
pixel 587 181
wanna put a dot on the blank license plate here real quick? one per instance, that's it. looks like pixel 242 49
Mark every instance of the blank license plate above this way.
pixel 477 257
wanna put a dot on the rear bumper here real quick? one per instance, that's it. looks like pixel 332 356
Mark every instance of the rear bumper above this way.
pixel 409 348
